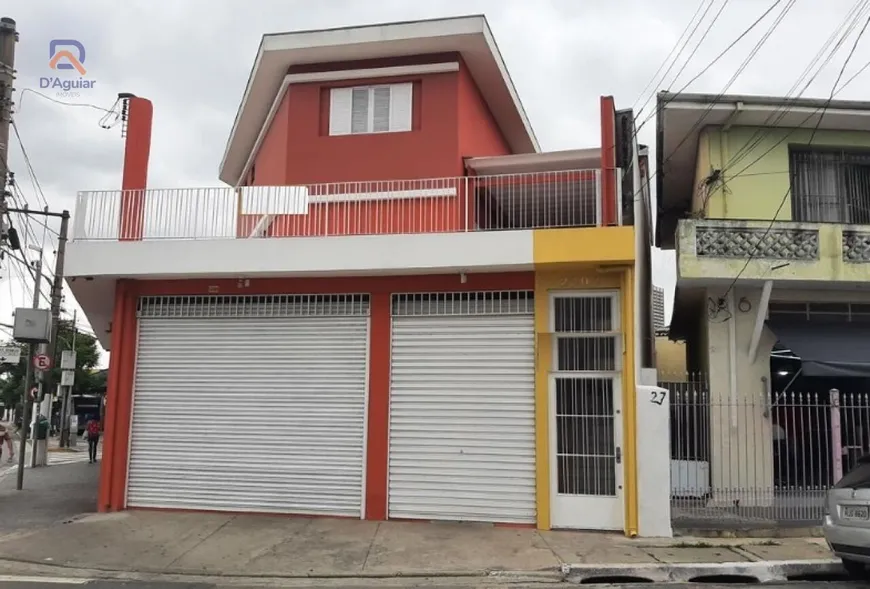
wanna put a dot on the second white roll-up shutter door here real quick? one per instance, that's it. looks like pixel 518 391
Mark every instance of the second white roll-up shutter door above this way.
pixel 462 407
pixel 250 404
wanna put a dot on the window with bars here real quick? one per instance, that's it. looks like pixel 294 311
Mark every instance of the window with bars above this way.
pixel 587 337
pixel 371 109
pixel 830 185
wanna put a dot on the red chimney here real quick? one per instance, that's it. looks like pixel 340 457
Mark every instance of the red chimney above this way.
pixel 137 114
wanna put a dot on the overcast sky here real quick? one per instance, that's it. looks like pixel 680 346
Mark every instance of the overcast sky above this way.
pixel 192 59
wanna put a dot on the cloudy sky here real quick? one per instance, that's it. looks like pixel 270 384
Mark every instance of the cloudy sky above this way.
pixel 192 59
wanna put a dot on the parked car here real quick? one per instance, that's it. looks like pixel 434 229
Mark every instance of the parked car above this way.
pixel 847 519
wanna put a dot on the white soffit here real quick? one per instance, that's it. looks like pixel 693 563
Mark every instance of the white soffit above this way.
pixel 470 36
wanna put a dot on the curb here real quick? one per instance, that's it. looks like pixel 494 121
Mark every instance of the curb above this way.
pixel 761 572
pixel 39 567
pixel 755 533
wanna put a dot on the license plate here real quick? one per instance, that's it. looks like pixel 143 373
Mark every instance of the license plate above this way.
pixel 856 512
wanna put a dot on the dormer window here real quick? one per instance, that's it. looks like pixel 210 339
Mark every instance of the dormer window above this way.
pixel 370 109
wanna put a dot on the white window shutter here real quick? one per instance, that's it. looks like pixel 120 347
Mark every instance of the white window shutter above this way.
pixel 401 105
pixel 359 120
pixel 380 109
pixel 339 111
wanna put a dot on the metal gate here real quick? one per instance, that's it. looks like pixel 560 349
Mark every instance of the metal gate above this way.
pixel 586 411
pixel 462 407
pixel 250 403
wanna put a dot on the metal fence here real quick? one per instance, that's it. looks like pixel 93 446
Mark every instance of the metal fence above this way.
pixel 435 205
pixel 760 460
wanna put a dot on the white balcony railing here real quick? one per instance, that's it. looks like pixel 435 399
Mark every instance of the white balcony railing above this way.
pixel 443 205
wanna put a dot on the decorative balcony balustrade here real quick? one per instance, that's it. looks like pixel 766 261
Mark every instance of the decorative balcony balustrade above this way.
pixel 569 198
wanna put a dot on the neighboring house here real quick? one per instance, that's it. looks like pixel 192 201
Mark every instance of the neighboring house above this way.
pixel 767 204
pixel 658 307
pixel 670 358
pixel 400 309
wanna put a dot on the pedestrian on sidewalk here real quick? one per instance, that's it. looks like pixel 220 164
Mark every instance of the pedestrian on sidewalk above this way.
pixel 6 437
pixel 93 428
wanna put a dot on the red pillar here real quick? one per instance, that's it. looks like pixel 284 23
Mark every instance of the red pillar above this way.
pixel 137 150
pixel 119 401
pixel 609 191
pixel 104 501
pixel 378 427
pixel 124 399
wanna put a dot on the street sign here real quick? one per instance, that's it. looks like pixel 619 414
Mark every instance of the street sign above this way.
pixel 68 360
pixel 67 378
pixel 10 354
pixel 41 362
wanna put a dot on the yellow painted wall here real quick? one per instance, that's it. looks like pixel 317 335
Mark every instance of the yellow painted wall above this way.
pixel 829 267
pixel 583 277
pixel 598 245
pixel 754 189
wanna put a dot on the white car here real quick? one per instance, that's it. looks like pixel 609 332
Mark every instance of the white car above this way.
pixel 847 519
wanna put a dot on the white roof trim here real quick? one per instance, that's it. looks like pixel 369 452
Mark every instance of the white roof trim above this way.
pixel 570 159
pixel 765 108
pixel 312 41
pixel 382 72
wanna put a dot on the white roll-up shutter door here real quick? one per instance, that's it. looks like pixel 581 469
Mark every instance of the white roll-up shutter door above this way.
pixel 250 404
pixel 462 407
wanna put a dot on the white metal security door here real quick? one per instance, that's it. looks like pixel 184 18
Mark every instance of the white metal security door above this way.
pixel 462 407
pixel 250 404
pixel 586 411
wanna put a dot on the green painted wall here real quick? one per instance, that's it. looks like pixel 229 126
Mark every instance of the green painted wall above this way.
pixel 754 189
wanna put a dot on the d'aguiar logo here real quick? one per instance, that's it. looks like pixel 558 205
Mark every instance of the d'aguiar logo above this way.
pixel 67 56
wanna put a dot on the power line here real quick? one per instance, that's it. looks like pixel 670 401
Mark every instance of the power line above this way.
pixel 32 271
pixel 61 102
pixel 700 41
pixel 759 44
pixel 715 60
pixel 808 117
pixel 812 136
pixel 851 15
pixel 676 57
pixel 29 164
pixel 851 19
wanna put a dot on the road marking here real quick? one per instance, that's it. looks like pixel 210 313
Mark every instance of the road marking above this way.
pixel 47 580
pixel 53 460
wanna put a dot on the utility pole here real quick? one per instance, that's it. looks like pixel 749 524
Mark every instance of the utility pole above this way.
pixel 66 400
pixel 28 384
pixel 8 38
pixel 56 299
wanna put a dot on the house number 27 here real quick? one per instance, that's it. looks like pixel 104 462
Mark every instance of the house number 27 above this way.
pixel 658 397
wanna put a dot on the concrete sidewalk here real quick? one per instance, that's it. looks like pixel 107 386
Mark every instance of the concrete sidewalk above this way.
pixel 274 546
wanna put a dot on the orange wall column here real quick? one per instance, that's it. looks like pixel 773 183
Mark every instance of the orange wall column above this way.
pixel 137 150
pixel 608 162
pixel 116 430
pixel 378 427
pixel 104 502
pixel 124 399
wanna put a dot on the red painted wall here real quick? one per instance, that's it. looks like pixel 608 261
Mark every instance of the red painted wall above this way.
pixel 113 477
pixel 479 134
pixel 450 122
pixel 270 167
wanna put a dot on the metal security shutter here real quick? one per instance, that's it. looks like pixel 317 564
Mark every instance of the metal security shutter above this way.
pixel 250 404
pixel 462 407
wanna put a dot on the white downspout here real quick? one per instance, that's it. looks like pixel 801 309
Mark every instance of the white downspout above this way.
pixel 732 355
